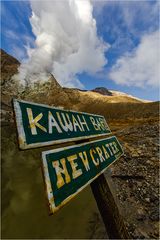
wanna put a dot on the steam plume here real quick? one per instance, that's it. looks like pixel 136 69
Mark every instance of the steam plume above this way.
pixel 66 42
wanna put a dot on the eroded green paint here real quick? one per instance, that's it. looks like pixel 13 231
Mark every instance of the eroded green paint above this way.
pixel 40 125
pixel 65 178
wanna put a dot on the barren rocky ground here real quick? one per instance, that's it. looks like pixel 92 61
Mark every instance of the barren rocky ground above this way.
pixel 134 178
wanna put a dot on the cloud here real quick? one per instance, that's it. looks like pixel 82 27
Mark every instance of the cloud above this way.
pixel 16 33
pixel 66 42
pixel 17 45
pixel 10 34
pixel 129 24
pixel 19 52
pixel 140 67
pixel 131 14
pixel 134 15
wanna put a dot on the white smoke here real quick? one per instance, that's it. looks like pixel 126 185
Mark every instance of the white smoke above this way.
pixel 66 42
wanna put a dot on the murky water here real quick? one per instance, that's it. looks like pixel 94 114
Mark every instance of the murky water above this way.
pixel 24 204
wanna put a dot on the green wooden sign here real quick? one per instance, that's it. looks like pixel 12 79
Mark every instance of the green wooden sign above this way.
pixel 68 170
pixel 40 125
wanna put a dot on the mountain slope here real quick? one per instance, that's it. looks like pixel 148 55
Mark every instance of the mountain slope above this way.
pixel 9 67
pixel 122 94
pixel 133 178
pixel 9 87
pixel 102 90
pixel 117 106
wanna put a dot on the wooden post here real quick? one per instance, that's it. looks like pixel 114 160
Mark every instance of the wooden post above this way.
pixel 112 219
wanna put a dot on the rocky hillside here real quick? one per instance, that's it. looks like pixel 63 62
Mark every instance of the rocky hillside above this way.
pixel 51 93
pixel 46 92
pixel 133 178
pixel 103 91
pixel 134 181
pixel 9 67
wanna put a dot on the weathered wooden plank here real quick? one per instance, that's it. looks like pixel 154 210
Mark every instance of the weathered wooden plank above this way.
pixel 41 125
pixel 109 211
pixel 68 170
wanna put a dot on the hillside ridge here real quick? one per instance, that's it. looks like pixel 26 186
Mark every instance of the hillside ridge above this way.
pixel 133 178
pixel 10 67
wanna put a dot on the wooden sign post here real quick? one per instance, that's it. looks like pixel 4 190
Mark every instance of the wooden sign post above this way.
pixel 40 125
pixel 108 209
pixel 68 170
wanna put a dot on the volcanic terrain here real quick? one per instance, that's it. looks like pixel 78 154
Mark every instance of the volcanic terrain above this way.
pixel 133 179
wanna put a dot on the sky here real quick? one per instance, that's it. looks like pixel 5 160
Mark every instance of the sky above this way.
pixel 86 44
